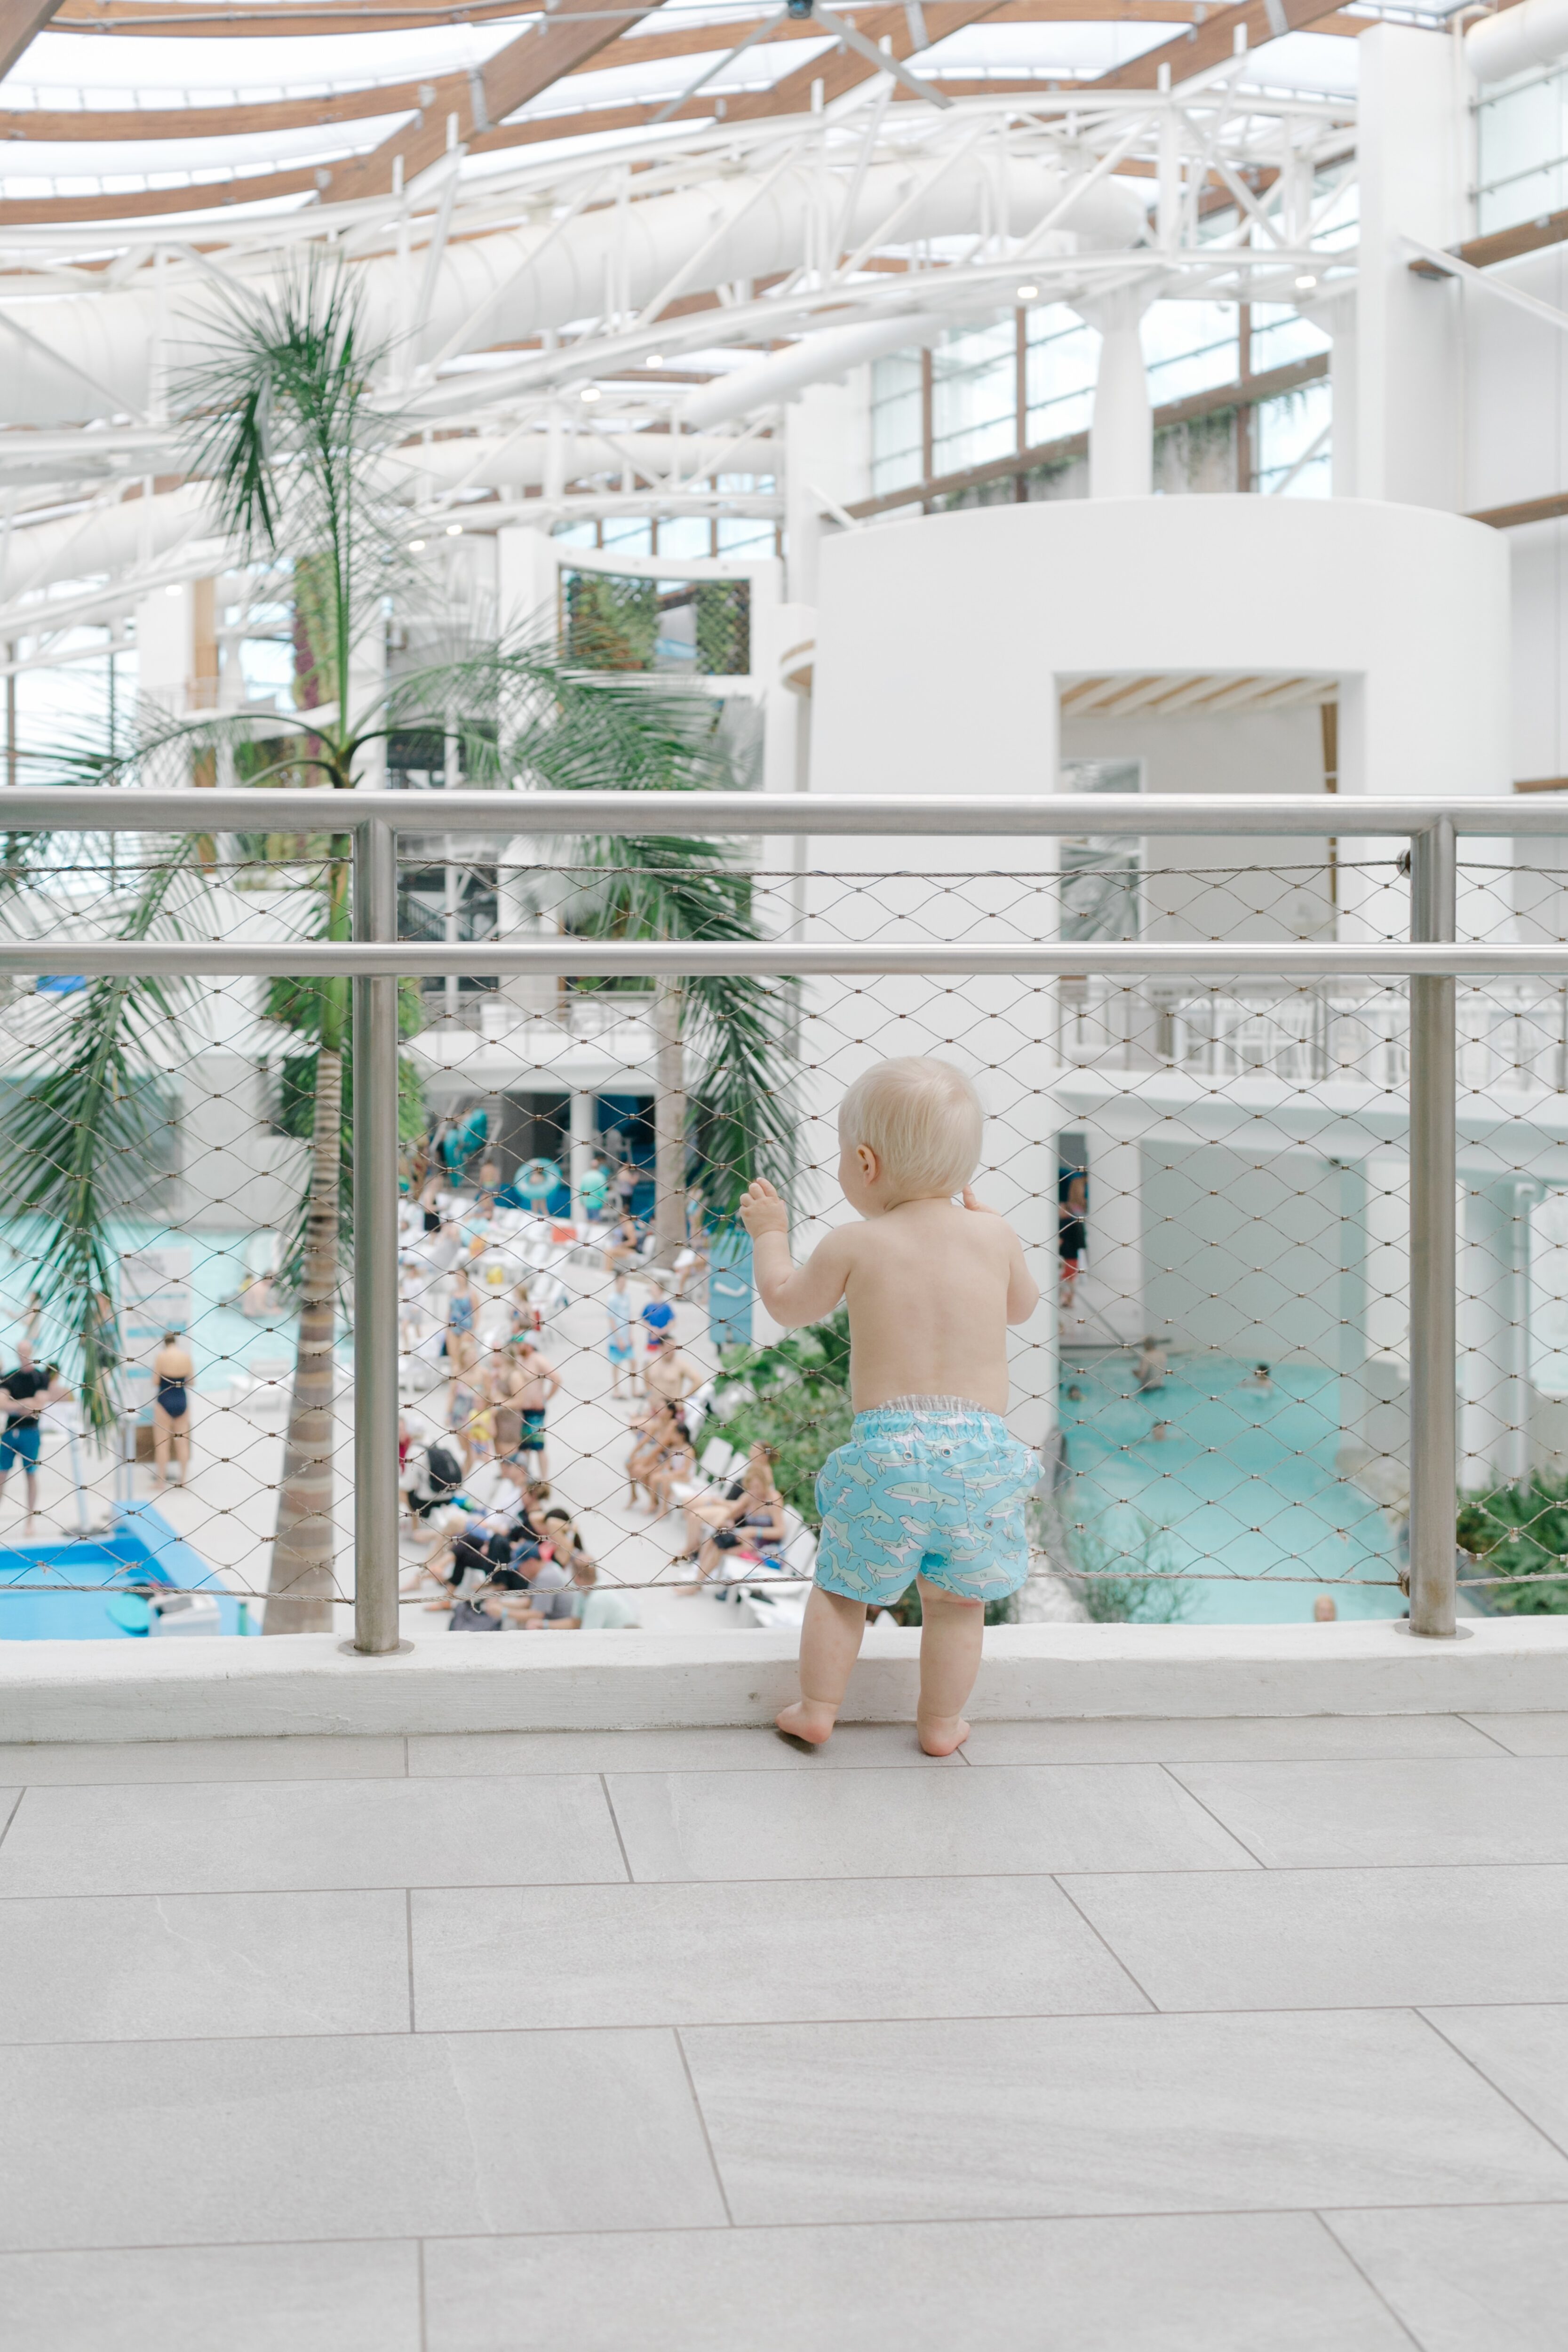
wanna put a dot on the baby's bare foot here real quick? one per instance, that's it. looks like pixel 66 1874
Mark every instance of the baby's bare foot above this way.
pixel 802 1721
pixel 941 1735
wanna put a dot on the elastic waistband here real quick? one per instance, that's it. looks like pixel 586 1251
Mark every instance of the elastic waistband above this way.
pixel 923 1410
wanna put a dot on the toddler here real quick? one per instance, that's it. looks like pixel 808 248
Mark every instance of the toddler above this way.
pixel 931 1484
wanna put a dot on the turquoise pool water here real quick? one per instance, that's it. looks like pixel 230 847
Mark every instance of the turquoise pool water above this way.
pixel 140 1549
pixel 220 1338
pixel 1243 1488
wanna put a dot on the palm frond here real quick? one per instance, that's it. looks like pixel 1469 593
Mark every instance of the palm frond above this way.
pixel 284 420
pixel 81 1128
pixel 530 720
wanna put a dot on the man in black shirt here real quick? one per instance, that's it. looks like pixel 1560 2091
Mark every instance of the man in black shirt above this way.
pixel 24 1391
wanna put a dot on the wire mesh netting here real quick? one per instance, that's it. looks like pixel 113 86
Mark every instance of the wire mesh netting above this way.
pixel 599 1426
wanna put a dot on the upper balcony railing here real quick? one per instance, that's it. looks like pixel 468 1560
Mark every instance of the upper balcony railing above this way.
pixel 905 954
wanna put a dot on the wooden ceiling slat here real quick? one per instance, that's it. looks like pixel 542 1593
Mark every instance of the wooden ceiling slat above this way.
pixel 1210 44
pixel 576 31
pixel 20 20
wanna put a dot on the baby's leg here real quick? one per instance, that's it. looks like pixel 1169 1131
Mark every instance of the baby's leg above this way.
pixel 829 1645
pixel 952 1630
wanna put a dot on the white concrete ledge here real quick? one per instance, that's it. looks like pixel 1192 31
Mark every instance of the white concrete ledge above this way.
pixel 230 1689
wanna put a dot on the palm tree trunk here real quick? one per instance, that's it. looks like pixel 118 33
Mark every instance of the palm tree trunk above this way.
pixel 299 1589
pixel 669 1124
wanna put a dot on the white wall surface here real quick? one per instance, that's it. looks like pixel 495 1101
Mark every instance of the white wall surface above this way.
pixel 941 639
pixel 1409 358
pixel 1203 889
pixel 1241 1257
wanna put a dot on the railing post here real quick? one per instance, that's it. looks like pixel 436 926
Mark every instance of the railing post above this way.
pixel 375 1252
pixel 1433 1466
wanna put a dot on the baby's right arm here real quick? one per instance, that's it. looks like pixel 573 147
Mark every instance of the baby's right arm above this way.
pixel 792 1295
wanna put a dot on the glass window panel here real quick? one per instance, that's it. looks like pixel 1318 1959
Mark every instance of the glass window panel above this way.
pixel 1101 872
pixel 896 422
pixel 744 535
pixel 1285 431
pixel 1521 152
pixel 629 534
pixel 1281 335
pixel 685 537
pixel 1189 347
pixel 1061 357
pixel 975 396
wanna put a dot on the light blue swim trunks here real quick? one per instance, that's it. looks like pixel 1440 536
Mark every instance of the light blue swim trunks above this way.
pixel 929 1487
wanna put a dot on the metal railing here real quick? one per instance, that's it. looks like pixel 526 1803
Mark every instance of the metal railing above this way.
pixel 1431 961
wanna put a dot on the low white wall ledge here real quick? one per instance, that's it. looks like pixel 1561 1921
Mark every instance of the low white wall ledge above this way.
pixel 229 1688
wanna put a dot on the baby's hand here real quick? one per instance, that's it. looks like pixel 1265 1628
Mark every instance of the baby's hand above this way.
pixel 762 1211
pixel 983 1207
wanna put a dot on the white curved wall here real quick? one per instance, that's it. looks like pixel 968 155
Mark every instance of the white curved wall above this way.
pixel 941 640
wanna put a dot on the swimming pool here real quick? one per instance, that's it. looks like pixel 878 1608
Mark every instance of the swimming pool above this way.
pixel 139 1549
pixel 1244 1486
pixel 221 1339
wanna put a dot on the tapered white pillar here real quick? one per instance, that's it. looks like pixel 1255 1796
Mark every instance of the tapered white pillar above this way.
pixel 1122 423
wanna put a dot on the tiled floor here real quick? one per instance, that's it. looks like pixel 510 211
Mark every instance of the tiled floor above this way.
pixel 1184 2037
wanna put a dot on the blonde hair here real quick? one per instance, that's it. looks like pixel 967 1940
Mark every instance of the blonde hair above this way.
pixel 921 1117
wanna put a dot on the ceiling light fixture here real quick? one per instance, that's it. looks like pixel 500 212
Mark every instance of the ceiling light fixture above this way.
pixel 590 392
pixel 1304 283
pixel 1029 293
pixel 416 547
pixel 654 359
pixel 454 530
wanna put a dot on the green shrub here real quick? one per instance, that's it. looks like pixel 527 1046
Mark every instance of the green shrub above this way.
pixel 795 1396
pixel 1122 1579
pixel 1521 1531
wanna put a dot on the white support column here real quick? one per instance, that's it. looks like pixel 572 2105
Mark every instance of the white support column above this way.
pixel 367 683
pixel 1116 1271
pixel 1409 330
pixel 1494 1332
pixel 1121 428
pixel 527 899
pixel 826 445
pixel 166 645
pixel 584 1140
pixel 526 575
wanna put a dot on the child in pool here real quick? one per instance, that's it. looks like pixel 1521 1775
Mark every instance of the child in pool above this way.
pixel 931 1484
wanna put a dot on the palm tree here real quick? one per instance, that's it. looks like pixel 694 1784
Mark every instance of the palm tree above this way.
pixel 287 424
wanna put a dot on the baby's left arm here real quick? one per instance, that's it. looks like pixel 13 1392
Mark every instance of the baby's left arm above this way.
pixel 1023 1290
pixel 792 1294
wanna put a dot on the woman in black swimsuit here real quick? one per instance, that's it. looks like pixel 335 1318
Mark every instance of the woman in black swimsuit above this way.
pixel 172 1369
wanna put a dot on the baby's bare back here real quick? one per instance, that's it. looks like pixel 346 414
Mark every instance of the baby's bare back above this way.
pixel 927 1293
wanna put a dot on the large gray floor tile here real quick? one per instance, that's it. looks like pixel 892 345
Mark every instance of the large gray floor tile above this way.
pixel 1527 1735
pixel 321 1758
pixel 111 1967
pixel 1336 1939
pixel 1485 2280
pixel 228 2142
pixel 1134 1739
pixel 359 2298
pixel 1438 1809
pixel 906 2122
pixel 202 1837
pixel 1523 2051
pixel 714 1747
pixel 785 1949
pixel 872 1824
pixel 1237 2283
